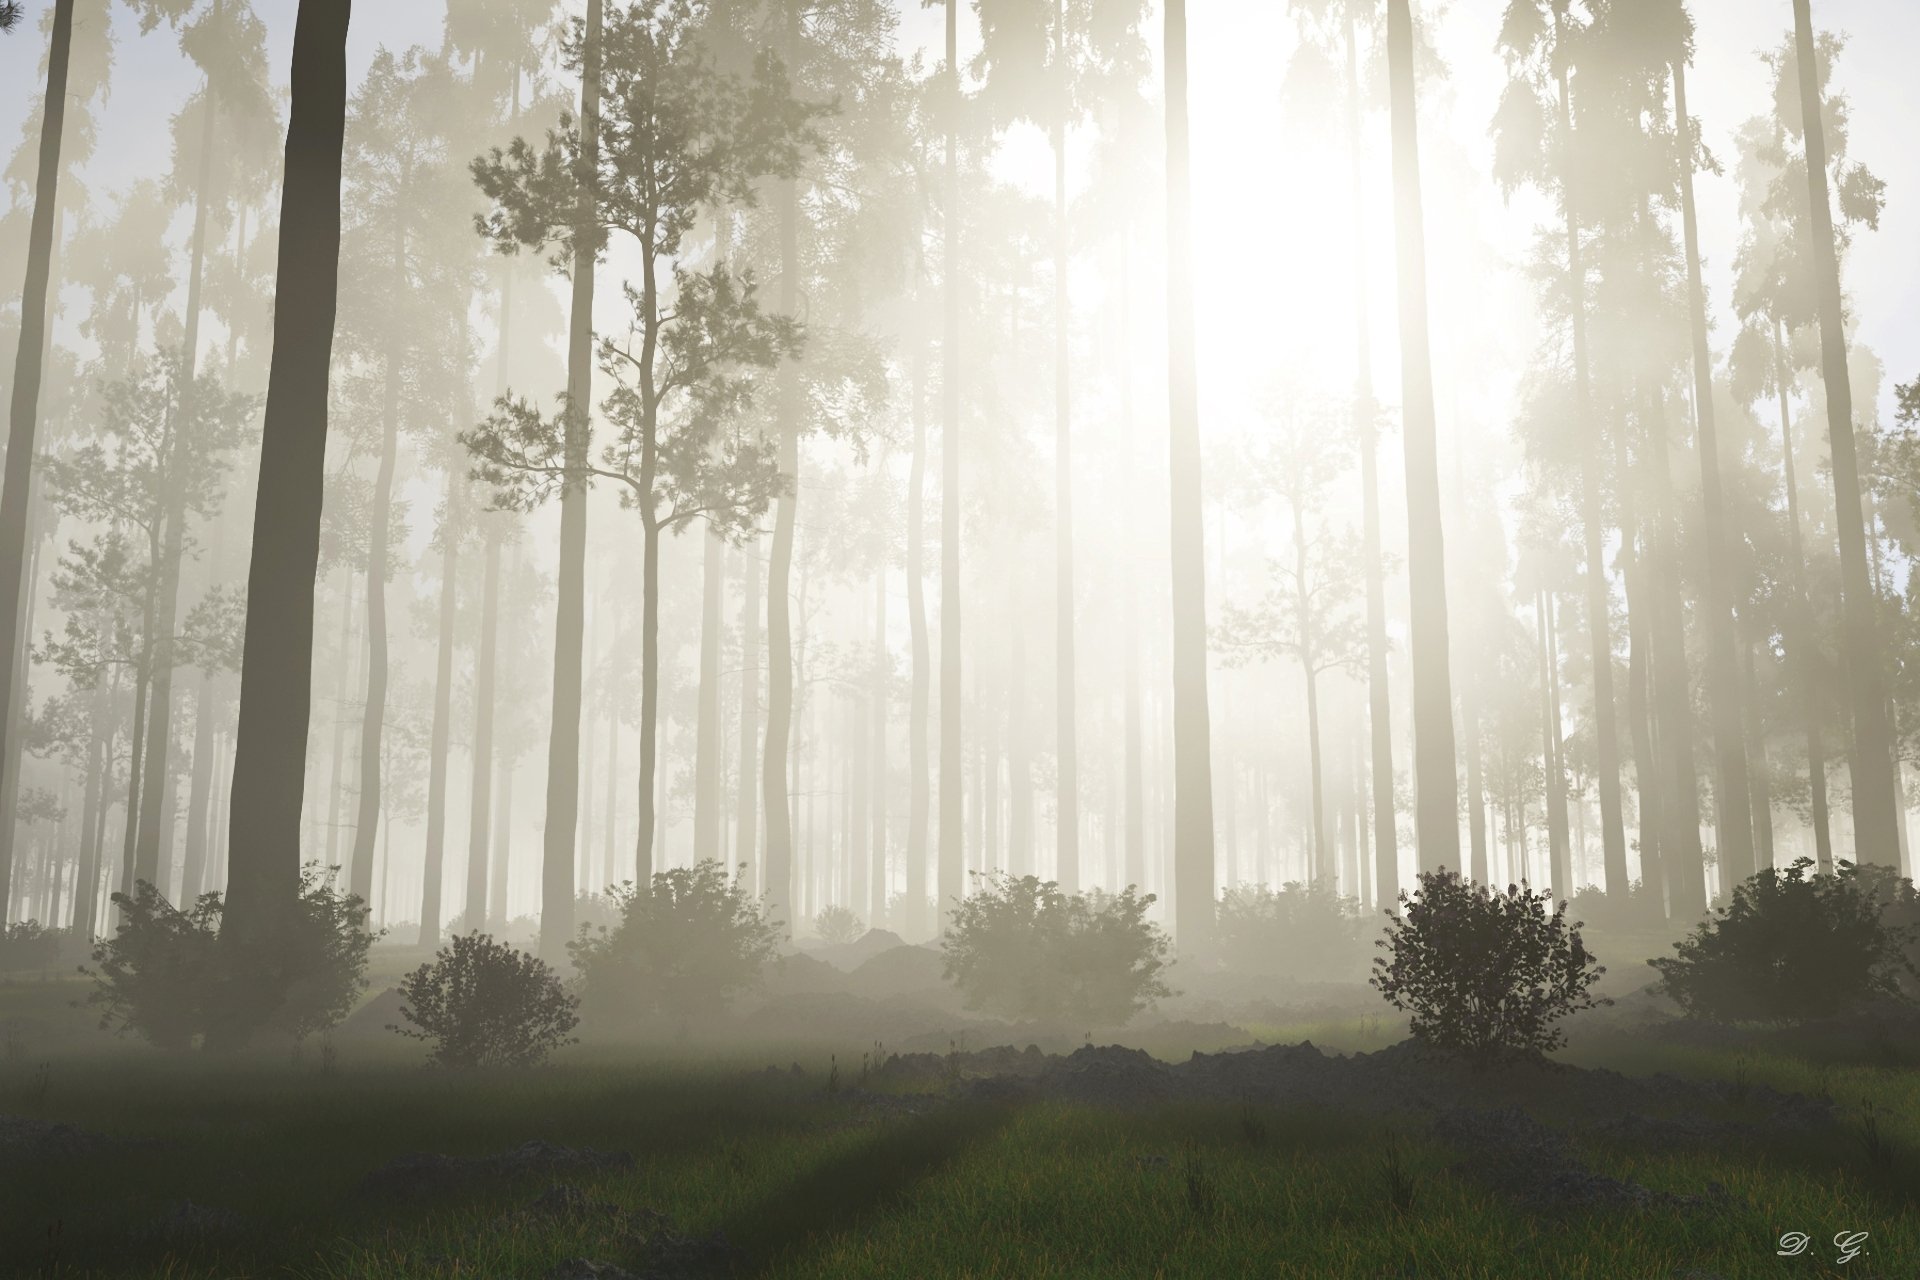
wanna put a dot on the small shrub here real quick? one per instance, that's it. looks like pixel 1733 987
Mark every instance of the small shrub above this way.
pixel 1203 1190
pixel 483 1004
pixel 690 941
pixel 1395 1178
pixel 1021 948
pixel 28 945
pixel 1482 973
pixel 1793 945
pixel 1304 932
pixel 167 976
pixel 838 926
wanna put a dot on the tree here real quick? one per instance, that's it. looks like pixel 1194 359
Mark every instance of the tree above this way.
pixel 276 674
pixel 10 15
pixel 483 1004
pixel 23 414
pixel 1875 811
pixel 1437 826
pixel 1192 754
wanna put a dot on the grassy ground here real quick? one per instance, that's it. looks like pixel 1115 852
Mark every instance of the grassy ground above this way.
pixel 806 1184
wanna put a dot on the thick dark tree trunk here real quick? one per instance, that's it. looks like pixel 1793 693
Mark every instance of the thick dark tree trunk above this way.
pixel 24 413
pixel 434 872
pixel 1193 873
pixel 1731 791
pixel 1875 810
pixel 563 743
pixel 276 674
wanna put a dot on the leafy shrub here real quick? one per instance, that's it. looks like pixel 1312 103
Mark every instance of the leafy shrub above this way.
pixel 1482 973
pixel 483 1004
pixel 29 944
pixel 1021 948
pixel 1301 931
pixel 690 940
pixel 167 976
pixel 1793 945
pixel 838 926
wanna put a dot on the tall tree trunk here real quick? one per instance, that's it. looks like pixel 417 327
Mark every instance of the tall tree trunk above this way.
pixel 276 673
pixel 1729 743
pixel 1646 771
pixel 94 814
pixel 913 910
pixel 431 908
pixel 950 882
pixel 877 755
pixel 1802 643
pixel 39 523
pixel 707 733
pixel 498 906
pixel 746 837
pixel 345 685
pixel 1386 838
pixel 1613 838
pixel 570 606
pixel 1685 859
pixel 779 885
pixel 1316 783
pixel 1476 803
pixel 1758 767
pixel 1192 747
pixel 1870 762
pixel 1133 870
pixel 1436 792
pixel 193 867
pixel 1067 785
pixel 1559 865
pixel 373 715
pixel 160 718
pixel 24 414
pixel 480 790
pixel 651 858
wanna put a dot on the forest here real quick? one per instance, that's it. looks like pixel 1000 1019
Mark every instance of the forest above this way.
pixel 680 638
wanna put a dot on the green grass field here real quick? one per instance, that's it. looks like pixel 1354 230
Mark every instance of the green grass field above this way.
pixel 805 1182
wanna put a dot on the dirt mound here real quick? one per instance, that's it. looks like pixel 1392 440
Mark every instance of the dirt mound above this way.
pixel 22 1138
pixel 1110 1075
pixel 412 1176
pixel 848 956
pixel 1511 1153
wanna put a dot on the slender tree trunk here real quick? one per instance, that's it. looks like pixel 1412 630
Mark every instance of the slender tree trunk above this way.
pixel 1685 859
pixel 94 814
pixel 1802 643
pixel 1646 773
pixel 1729 745
pixel 1133 783
pixel 24 414
pixel 153 832
pixel 130 834
pixel 1476 802
pixel 1613 837
pixel 1871 761
pixel 497 893
pixel 431 908
pixel 480 791
pixel 1020 851
pixel 747 836
pixel 1436 793
pixel 1317 789
pixel 563 744
pixel 1379 704
pixel 345 685
pixel 194 865
pixel 14 749
pixel 1757 765
pixel 950 881
pixel 706 749
pixel 877 754
pixel 276 675
pixel 373 714
pixel 1559 865
pixel 1067 787
pixel 779 886
pixel 650 859
pixel 1192 748
pixel 913 912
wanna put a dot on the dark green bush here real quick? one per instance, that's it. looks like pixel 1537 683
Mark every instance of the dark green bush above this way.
pixel 687 943
pixel 1793 945
pixel 1485 974
pixel 1304 932
pixel 28 944
pixel 483 1004
pixel 167 976
pixel 1021 948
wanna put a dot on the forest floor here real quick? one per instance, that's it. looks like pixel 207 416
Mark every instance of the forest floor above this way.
pixel 1636 1155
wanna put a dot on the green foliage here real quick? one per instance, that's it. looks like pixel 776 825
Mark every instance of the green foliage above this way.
pixel 1307 932
pixel 1794 945
pixel 168 977
pixel 28 944
pixel 838 926
pixel 1021 948
pixel 1485 974
pixel 483 1004
pixel 690 940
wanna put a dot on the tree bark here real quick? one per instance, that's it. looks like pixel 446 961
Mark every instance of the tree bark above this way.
pixel 950 879
pixel 649 858
pixel 877 754
pixel 706 750
pixel 1559 863
pixel 1685 859
pixel 1802 643
pixel 24 413
pixel 746 833
pixel 563 743
pixel 778 889
pixel 1870 762
pixel 480 791
pixel 270 748
pixel 913 911
pixel 1067 792
pixel 1436 793
pixel 373 715
pixel 1193 871
pixel 432 876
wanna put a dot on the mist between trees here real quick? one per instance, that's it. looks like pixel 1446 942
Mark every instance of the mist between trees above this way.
pixel 822 440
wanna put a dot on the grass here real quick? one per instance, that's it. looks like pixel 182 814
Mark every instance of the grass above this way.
pixel 807 1185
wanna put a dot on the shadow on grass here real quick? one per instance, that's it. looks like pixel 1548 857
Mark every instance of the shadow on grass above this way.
pixel 861 1186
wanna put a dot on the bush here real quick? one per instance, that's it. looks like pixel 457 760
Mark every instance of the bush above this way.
pixel 483 1004
pixel 1793 945
pixel 29 945
pixel 1021 948
pixel 1482 973
pixel 838 926
pixel 166 975
pixel 691 940
pixel 1305 932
